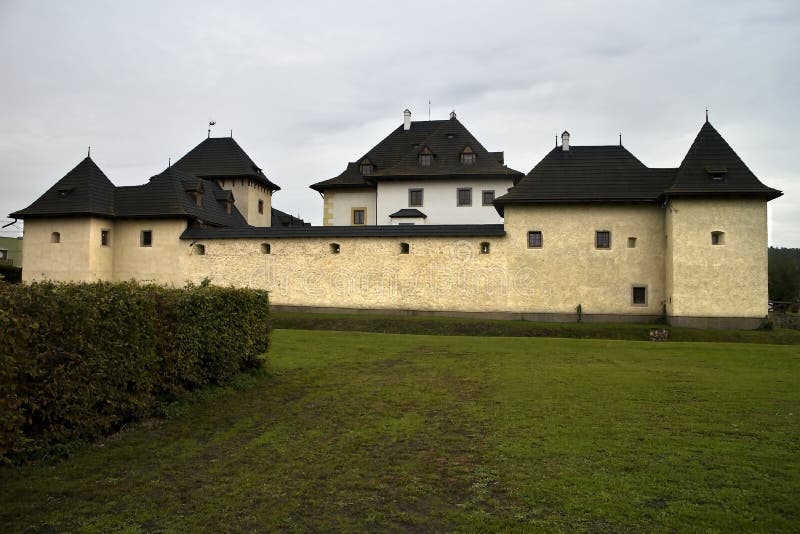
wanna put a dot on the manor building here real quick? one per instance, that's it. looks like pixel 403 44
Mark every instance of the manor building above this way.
pixel 423 172
pixel 590 231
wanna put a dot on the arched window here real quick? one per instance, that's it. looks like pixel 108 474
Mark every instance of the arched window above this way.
pixel 55 237
pixel 266 248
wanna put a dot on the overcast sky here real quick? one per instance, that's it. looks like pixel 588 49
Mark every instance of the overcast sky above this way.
pixel 307 87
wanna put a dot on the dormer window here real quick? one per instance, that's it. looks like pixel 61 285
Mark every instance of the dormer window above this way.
pixel 467 156
pixel 366 167
pixel 64 193
pixel 426 157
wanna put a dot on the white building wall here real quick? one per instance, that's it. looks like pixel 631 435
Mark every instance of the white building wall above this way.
pixel 440 200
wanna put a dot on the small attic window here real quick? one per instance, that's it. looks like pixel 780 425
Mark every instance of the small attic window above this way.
pixel 717 173
pixel 425 157
pixel 64 193
pixel 451 136
pixel 366 167
pixel 467 156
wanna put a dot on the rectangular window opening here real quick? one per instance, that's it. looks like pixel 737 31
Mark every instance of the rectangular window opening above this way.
pixel 639 295
pixel 488 198
pixel 104 237
pixel 414 198
pixel 464 196
pixel 359 216
pixel 602 239
pixel 146 238
pixel 535 239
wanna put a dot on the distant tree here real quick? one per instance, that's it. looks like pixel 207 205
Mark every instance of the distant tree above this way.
pixel 784 274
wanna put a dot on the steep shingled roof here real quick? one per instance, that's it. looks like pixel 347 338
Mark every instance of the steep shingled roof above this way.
pixel 222 157
pixel 282 219
pixel 397 157
pixel 167 195
pixel 85 190
pixel 612 174
pixel 711 155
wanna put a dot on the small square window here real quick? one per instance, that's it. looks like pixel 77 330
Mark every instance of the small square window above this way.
pixel 266 248
pixel 485 247
pixel 488 197
pixel 464 196
pixel 146 238
pixel 260 206
pixel 631 242
pixel 199 250
pixel 602 239
pixel 639 296
pixel 414 198
pixel 359 216
pixel 535 239
pixel 425 160
pixel 717 238
pixel 104 237
pixel 55 237
pixel 335 248
pixel 405 248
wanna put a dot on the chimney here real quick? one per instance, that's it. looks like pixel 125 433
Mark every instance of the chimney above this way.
pixel 407 120
pixel 565 141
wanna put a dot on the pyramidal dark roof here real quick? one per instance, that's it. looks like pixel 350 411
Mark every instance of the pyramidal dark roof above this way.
pixel 613 174
pixel 222 157
pixel 396 157
pixel 712 167
pixel 85 190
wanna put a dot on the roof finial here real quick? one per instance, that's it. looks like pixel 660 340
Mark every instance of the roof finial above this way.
pixel 231 133
pixel 89 152
pixel 429 109
pixel 210 124
pixel 620 139
pixel 556 140
pixel 453 114
pixel 706 114
pixel 169 162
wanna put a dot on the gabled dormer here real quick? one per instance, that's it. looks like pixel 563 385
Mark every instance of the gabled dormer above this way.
pixel 468 156
pixel 366 167
pixel 425 157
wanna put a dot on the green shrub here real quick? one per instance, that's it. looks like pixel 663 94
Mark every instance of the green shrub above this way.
pixel 80 360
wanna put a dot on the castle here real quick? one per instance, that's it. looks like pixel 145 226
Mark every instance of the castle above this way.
pixel 430 221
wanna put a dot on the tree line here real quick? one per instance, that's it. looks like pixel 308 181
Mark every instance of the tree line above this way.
pixel 784 274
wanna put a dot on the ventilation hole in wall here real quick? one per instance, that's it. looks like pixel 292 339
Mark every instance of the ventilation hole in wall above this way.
pixel 266 248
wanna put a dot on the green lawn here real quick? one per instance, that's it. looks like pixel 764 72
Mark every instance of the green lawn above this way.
pixel 383 432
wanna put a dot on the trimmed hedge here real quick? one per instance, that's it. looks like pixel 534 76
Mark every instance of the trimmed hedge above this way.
pixel 80 360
